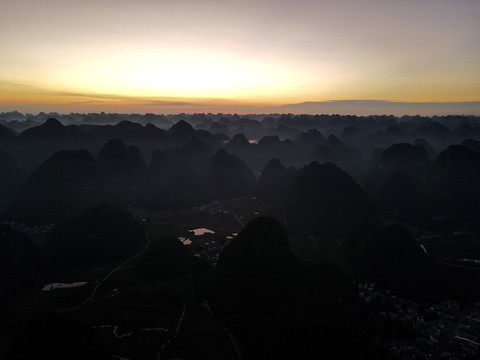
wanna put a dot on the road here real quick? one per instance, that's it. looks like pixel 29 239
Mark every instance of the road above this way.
pixel 238 219
pixel 119 267
pixel 177 329
pixel 449 334
pixel 207 306
pixel 447 235
pixel 458 266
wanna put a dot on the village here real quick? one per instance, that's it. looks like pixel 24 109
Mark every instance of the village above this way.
pixel 441 331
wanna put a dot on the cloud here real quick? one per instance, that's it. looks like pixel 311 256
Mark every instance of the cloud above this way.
pixel 90 100
pixel 91 95
pixel 85 102
pixel 11 86
pixel 172 103
pixel 382 103
pixel 101 98
pixel 383 107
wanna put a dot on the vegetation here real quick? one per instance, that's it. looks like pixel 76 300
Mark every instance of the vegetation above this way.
pixel 322 206
pixel 101 233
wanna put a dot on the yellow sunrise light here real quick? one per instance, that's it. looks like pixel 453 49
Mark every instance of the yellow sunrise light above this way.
pixel 175 73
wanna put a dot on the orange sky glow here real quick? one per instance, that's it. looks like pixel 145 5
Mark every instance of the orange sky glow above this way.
pixel 243 57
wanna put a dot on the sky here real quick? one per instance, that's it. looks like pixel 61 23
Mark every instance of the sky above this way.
pixel 249 56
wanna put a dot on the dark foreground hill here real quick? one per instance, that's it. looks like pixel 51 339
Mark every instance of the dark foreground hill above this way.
pixel 281 308
pixel 167 257
pixel 100 233
pixel 452 184
pixel 19 264
pixel 392 257
pixel 274 182
pixel 228 176
pixel 66 181
pixel 394 180
pixel 11 179
pixel 122 170
pixel 324 198
pixel 52 336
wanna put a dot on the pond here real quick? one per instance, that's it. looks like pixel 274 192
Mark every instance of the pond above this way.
pixel 202 231
pixel 185 240
pixel 54 286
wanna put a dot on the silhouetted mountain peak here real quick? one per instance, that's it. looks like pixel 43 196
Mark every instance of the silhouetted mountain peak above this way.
pixel 6 133
pixel 436 129
pixel 221 155
pixel 52 123
pixel 456 154
pixel 181 129
pixel 316 134
pixel 396 175
pixel 305 139
pixel 128 125
pixel 255 255
pixel 113 146
pixel 228 176
pixel 274 181
pixel 274 166
pixel 269 141
pixel 239 141
pixel 334 141
pixel 350 131
pixel 428 147
pixel 325 198
pixel 216 127
pixel 220 138
pixel 58 135
pixel 116 156
pixel 150 127
pixel 395 258
pixel 322 153
pixel 464 130
pixel 196 147
pixel 453 180
pixel 286 132
pixel 472 144
pixel 394 130
pixel 62 183
pixel 404 152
